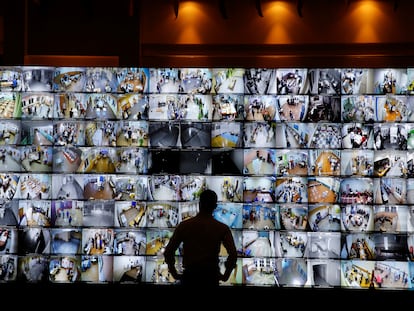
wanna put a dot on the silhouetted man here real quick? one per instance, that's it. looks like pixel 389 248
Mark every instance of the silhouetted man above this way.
pixel 201 237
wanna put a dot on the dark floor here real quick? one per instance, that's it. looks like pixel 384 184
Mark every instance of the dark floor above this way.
pixel 158 297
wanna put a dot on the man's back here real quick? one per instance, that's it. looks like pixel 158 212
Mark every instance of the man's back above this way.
pixel 201 238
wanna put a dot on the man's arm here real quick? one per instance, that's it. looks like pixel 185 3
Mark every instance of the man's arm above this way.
pixel 169 255
pixel 231 260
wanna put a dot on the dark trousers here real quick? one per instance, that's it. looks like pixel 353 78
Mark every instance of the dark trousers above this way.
pixel 200 276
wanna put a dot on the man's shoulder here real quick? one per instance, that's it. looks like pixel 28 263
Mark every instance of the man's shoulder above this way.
pixel 220 224
pixel 187 222
pixel 193 221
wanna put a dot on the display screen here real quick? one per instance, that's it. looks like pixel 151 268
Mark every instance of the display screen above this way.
pixel 313 168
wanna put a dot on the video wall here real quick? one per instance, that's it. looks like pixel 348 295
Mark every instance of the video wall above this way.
pixel 313 168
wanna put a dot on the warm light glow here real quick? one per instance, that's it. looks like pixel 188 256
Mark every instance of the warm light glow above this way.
pixel 280 16
pixel 190 18
pixel 367 19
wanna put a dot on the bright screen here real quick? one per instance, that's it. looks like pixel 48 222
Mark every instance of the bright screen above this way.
pixel 313 169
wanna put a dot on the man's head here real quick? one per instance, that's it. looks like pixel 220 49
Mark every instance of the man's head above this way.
pixel 208 201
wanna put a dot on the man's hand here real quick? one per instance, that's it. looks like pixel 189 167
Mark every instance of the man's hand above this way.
pixel 174 273
pixel 224 277
pixel 177 276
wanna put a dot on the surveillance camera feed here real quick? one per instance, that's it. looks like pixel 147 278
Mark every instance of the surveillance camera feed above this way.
pixel 313 170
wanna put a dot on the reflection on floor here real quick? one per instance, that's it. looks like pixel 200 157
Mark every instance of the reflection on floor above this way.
pixel 320 193
pixel 66 243
pixel 7 217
